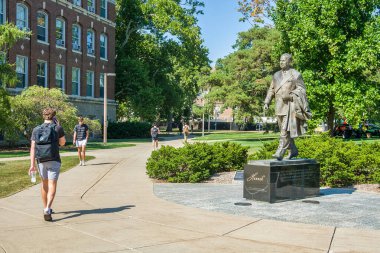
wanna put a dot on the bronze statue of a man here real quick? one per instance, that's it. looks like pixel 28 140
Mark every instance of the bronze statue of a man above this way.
pixel 292 108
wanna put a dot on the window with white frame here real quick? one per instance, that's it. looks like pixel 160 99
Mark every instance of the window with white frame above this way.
pixel 103 46
pixel 22 71
pixel 76 37
pixel 60 76
pixel 77 2
pixel 91 5
pixel 60 32
pixel 42 26
pixel 101 86
pixel 75 81
pixel 103 8
pixel 42 73
pixel 90 42
pixel 22 16
pixel 90 84
pixel 2 11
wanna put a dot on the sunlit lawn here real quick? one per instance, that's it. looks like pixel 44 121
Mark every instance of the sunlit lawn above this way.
pixel 14 174
pixel 236 136
pixel 92 145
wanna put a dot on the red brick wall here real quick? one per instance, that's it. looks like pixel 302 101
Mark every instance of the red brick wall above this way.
pixel 53 55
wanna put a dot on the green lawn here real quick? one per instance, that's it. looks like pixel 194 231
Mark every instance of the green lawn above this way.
pixel 14 174
pixel 71 148
pixel 236 136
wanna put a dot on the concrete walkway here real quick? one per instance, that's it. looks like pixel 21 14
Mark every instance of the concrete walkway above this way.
pixel 109 206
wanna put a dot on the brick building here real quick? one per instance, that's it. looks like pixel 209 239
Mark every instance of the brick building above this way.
pixel 72 46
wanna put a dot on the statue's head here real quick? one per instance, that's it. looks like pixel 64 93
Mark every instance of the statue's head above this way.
pixel 285 61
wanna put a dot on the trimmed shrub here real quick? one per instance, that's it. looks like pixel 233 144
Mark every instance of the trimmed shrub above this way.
pixel 195 162
pixel 343 163
pixel 122 130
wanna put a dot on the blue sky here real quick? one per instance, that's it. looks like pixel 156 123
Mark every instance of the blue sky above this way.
pixel 220 26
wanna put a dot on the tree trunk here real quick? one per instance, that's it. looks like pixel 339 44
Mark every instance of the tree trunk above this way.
pixel 330 120
pixel 169 127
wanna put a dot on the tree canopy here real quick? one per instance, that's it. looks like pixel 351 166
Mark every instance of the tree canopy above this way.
pixel 9 35
pixel 160 56
pixel 336 46
pixel 240 80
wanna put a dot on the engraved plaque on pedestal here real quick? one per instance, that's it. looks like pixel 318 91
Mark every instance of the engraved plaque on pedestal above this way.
pixel 274 181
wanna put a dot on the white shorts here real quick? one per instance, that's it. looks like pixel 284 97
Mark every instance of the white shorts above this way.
pixel 81 143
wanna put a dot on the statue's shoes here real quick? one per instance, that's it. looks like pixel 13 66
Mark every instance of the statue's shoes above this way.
pixel 278 157
pixel 291 155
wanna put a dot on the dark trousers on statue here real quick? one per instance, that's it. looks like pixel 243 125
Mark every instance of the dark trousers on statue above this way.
pixel 285 141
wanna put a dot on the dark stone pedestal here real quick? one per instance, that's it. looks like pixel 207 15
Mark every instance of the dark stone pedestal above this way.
pixel 275 181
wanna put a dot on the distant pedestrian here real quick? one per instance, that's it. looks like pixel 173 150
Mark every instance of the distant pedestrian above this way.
pixel 80 140
pixel 154 131
pixel 186 131
pixel 45 143
pixel 180 128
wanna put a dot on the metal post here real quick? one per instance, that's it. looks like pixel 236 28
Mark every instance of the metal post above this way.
pixel 105 122
pixel 203 124
pixel 105 111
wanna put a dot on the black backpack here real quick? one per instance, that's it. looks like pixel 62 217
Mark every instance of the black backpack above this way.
pixel 47 148
pixel 154 132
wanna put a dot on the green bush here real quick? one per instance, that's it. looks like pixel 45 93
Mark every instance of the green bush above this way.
pixel 122 130
pixel 343 163
pixel 195 162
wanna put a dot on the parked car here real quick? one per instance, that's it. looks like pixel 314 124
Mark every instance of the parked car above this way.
pixel 370 130
pixel 345 130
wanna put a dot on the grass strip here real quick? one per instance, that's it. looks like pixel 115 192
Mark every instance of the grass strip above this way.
pixel 14 174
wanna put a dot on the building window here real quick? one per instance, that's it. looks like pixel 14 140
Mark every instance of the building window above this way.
pixel 42 73
pixel 2 11
pixel 22 71
pixel 103 8
pixel 77 2
pixel 75 81
pixel 90 84
pixel 60 32
pixel 22 17
pixel 90 42
pixel 103 46
pixel 91 6
pixel 101 93
pixel 60 76
pixel 76 37
pixel 42 26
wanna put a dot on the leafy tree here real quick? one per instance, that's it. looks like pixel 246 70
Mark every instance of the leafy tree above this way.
pixel 336 45
pixel 255 10
pixel 241 79
pixel 27 112
pixel 159 56
pixel 9 35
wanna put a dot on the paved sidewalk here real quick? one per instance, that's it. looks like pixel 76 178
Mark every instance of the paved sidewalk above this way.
pixel 109 206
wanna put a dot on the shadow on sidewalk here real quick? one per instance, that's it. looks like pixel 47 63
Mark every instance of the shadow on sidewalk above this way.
pixel 99 163
pixel 78 213
pixel 334 191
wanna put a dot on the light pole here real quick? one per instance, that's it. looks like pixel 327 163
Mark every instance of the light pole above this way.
pixel 203 117
pixel 105 107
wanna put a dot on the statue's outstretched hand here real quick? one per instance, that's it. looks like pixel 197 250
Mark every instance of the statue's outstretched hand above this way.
pixel 266 107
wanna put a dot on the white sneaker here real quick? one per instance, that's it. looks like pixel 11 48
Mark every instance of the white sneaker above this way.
pixel 80 163
pixel 83 163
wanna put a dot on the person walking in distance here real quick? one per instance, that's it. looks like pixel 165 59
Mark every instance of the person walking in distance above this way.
pixel 45 142
pixel 154 131
pixel 186 131
pixel 80 140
